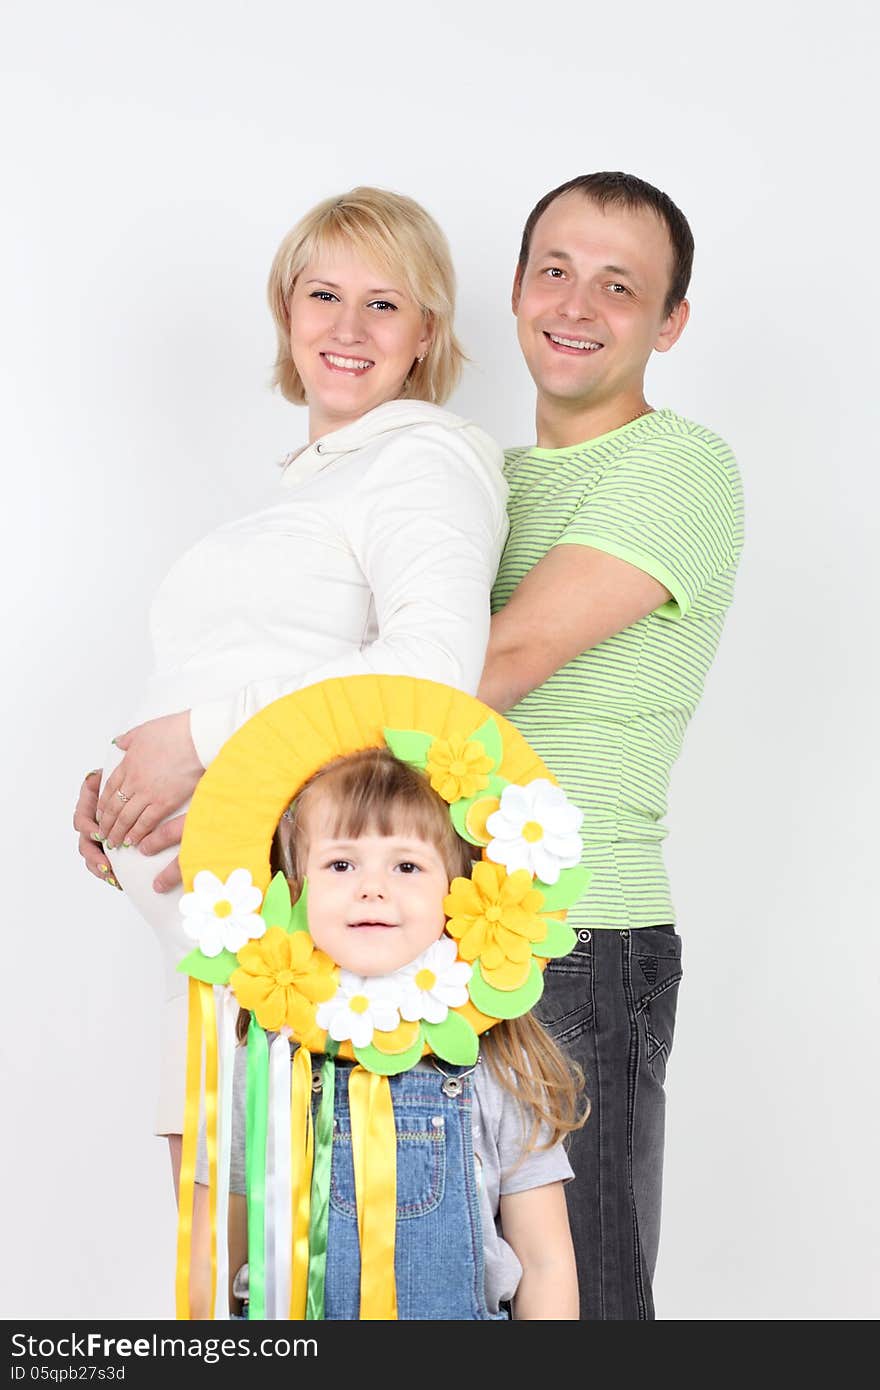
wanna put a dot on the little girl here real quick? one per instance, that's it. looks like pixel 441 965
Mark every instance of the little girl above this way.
pixel 480 1167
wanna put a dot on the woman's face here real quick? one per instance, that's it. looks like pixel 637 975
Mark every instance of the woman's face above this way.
pixel 354 335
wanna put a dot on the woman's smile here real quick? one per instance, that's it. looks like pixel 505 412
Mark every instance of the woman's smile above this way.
pixel 354 366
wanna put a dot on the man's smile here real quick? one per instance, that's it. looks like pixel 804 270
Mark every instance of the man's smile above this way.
pixel 572 345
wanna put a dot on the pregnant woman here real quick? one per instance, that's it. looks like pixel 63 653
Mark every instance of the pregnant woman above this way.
pixel 377 556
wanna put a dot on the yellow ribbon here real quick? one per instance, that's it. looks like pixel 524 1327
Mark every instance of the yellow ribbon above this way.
pixel 374 1154
pixel 188 1154
pixel 302 1151
pixel 209 1033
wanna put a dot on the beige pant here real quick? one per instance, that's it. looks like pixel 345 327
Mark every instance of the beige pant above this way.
pixel 135 872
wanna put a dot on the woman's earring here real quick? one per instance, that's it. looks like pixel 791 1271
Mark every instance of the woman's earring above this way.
pixel 422 358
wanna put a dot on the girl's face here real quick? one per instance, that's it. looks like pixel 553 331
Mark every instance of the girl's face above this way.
pixel 375 903
pixel 354 335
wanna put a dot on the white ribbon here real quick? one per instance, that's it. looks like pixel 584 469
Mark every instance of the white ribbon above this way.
pixel 278 1216
pixel 227 1014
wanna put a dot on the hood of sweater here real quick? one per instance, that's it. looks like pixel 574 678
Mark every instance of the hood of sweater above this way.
pixel 383 421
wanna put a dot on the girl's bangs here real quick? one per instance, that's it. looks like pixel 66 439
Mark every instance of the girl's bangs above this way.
pixel 374 792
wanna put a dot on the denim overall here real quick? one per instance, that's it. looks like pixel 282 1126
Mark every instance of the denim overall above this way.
pixel 438 1257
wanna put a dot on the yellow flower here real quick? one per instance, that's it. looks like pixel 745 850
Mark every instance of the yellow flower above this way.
pixel 458 767
pixel 281 977
pixel 400 1040
pixel 477 815
pixel 494 917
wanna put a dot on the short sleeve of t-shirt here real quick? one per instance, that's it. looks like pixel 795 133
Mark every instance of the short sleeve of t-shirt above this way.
pixel 669 505
pixel 504 1118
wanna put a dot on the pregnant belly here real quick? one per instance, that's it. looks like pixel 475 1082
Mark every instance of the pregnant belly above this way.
pixel 135 872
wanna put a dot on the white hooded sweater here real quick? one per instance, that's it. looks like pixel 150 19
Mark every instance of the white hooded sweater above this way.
pixel 378 557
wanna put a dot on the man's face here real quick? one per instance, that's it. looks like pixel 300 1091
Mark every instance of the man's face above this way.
pixel 590 304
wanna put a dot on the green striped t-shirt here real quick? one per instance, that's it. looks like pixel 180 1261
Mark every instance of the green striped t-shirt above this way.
pixel 663 494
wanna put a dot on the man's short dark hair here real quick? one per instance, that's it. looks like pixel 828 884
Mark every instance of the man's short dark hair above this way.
pixel 626 191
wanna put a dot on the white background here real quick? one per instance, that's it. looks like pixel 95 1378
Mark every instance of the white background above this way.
pixel 154 156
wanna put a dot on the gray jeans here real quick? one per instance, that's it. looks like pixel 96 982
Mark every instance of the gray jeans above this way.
pixel 611 1005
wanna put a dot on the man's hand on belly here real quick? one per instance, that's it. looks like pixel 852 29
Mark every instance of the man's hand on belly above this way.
pixel 169 833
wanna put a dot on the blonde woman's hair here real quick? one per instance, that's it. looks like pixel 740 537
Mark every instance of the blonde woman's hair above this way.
pixel 397 235
pixel 373 791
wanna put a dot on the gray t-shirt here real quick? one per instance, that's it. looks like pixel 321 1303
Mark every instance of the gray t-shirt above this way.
pixel 499 1132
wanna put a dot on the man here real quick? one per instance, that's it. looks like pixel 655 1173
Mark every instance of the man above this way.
pixel 626 528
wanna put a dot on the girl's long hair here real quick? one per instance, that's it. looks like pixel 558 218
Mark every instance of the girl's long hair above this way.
pixel 525 1061
pixel 372 790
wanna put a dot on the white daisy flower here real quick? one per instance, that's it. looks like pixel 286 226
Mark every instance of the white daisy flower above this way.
pixel 434 983
pixel 222 915
pixel 536 828
pixel 360 1007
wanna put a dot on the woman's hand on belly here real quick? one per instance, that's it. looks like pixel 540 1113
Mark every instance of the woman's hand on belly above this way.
pixel 158 773
pixel 89 833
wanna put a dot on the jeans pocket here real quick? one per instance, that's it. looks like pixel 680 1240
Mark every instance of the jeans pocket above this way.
pixel 566 1005
pixel 656 970
pixel 421 1166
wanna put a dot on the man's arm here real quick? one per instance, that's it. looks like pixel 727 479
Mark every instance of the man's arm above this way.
pixel 572 600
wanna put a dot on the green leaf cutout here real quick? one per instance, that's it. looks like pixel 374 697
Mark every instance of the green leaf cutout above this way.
pixel 568 888
pixel 454 1040
pixel 299 913
pixel 559 940
pixel 506 1003
pixel 275 911
pixel 459 809
pixel 489 735
pixel 409 745
pixel 214 970
pixel 386 1065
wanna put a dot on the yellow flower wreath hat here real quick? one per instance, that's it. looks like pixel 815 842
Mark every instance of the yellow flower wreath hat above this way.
pixel 505 921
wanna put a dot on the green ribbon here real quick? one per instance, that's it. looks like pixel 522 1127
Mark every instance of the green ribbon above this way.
pixel 255 1164
pixel 320 1207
